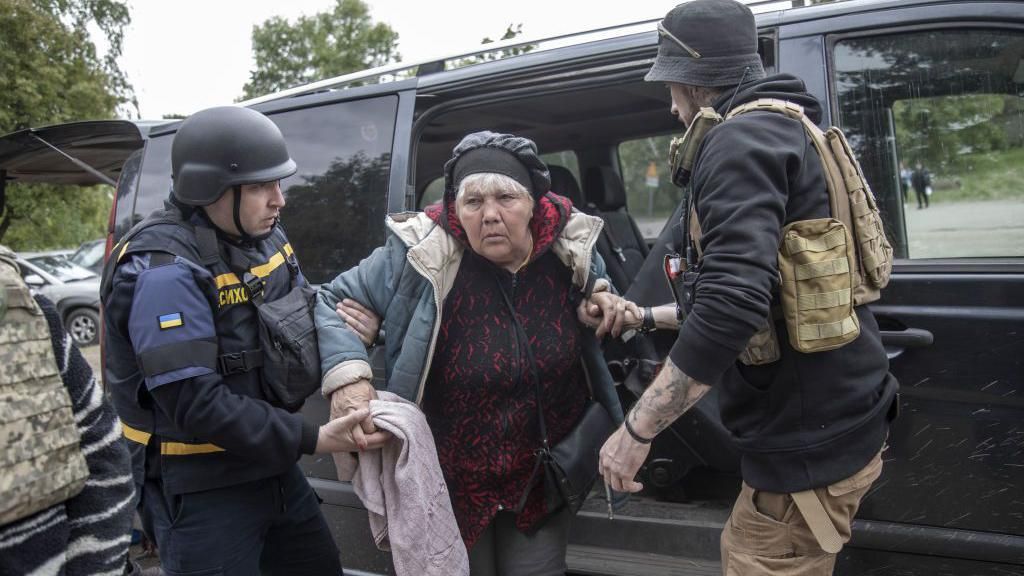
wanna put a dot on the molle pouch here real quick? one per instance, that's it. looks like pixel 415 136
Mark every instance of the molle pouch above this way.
pixel 816 262
pixel 872 245
pixel 682 152
pixel 291 358
pixel 763 347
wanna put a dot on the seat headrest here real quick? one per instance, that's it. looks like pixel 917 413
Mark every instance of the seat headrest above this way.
pixel 604 187
pixel 563 183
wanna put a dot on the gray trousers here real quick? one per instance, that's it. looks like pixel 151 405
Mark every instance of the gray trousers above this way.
pixel 503 550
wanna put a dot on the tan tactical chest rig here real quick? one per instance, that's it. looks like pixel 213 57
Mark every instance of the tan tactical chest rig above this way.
pixel 827 266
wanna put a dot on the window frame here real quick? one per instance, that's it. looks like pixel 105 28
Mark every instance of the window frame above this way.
pixel 940 265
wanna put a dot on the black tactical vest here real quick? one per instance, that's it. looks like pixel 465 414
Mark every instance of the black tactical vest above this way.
pixel 185 463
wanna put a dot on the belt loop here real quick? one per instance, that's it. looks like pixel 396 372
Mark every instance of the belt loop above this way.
pixel 818 521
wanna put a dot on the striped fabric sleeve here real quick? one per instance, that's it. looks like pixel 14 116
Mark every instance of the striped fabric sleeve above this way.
pixel 100 516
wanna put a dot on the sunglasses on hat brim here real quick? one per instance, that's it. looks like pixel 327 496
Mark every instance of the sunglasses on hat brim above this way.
pixel 664 33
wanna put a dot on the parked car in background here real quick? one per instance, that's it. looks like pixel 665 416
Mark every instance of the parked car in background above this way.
pixel 63 253
pixel 74 290
pixel 90 255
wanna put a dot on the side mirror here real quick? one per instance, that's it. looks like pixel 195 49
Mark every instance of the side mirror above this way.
pixel 34 280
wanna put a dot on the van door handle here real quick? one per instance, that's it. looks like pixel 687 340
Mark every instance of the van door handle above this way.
pixel 909 338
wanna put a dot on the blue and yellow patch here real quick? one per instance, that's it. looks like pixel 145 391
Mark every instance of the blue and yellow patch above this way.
pixel 170 321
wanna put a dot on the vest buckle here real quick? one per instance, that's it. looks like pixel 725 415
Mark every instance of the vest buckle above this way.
pixel 239 362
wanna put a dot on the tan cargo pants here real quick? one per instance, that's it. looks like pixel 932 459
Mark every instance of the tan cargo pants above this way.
pixel 767 533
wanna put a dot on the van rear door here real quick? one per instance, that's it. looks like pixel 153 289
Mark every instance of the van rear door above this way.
pixel 74 153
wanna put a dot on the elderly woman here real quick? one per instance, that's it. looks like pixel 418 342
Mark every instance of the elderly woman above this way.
pixel 443 284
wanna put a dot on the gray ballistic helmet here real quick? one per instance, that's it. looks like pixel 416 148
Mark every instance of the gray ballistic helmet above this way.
pixel 219 148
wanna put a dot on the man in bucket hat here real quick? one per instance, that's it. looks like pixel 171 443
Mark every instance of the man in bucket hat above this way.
pixel 809 426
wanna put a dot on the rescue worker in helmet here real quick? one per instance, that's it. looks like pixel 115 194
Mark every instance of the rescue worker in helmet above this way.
pixel 213 451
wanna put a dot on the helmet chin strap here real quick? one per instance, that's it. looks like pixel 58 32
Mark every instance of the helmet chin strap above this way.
pixel 237 214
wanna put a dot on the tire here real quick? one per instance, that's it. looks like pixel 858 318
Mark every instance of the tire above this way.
pixel 83 324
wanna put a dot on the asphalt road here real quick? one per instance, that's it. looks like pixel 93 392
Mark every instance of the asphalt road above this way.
pixel 965 229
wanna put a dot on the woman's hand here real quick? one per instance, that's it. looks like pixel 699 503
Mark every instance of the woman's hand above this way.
pixel 354 398
pixel 360 319
pixel 345 435
pixel 609 314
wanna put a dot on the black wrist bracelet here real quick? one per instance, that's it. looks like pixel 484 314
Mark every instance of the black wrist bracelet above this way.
pixel 648 324
pixel 637 437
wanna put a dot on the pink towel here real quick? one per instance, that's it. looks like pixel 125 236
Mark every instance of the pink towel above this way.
pixel 404 492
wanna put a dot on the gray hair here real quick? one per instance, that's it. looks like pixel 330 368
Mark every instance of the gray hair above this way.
pixel 491 181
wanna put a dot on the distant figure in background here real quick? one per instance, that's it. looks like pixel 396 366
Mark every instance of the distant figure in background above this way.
pixel 905 174
pixel 921 180
pixel 67 490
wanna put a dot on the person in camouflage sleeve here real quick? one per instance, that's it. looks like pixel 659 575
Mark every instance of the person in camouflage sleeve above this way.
pixel 84 524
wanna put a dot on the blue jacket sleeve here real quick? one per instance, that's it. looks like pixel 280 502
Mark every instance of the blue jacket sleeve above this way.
pixel 171 326
pixel 372 283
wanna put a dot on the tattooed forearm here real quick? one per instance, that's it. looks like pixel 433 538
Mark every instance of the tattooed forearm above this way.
pixel 670 395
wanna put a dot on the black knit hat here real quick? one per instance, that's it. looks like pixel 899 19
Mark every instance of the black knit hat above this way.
pixel 720 39
pixel 513 156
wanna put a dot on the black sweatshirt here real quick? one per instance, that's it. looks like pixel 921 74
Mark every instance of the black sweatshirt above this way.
pixel 807 420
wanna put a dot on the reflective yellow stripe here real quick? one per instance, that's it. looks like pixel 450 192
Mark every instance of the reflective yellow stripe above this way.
pixel 228 279
pixel 182 449
pixel 264 270
pixel 169 448
pixel 121 253
pixel 135 435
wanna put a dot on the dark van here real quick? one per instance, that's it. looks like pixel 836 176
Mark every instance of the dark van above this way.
pixel 937 83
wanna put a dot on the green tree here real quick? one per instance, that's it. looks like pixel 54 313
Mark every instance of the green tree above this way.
pixel 327 44
pixel 940 131
pixel 54 73
pixel 511 32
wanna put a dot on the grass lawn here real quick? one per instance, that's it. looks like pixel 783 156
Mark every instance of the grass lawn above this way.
pixel 986 176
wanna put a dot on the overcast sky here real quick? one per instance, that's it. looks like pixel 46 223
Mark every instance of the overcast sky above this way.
pixel 186 55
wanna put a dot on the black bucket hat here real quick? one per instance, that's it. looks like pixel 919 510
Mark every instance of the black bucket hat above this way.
pixel 709 43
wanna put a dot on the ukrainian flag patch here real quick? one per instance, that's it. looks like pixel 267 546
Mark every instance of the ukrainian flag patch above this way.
pixel 170 321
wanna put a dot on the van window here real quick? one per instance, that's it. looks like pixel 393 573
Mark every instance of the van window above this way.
pixel 650 195
pixel 336 201
pixel 432 193
pixel 338 198
pixel 936 118
pixel 124 202
pixel 566 159
pixel 155 184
